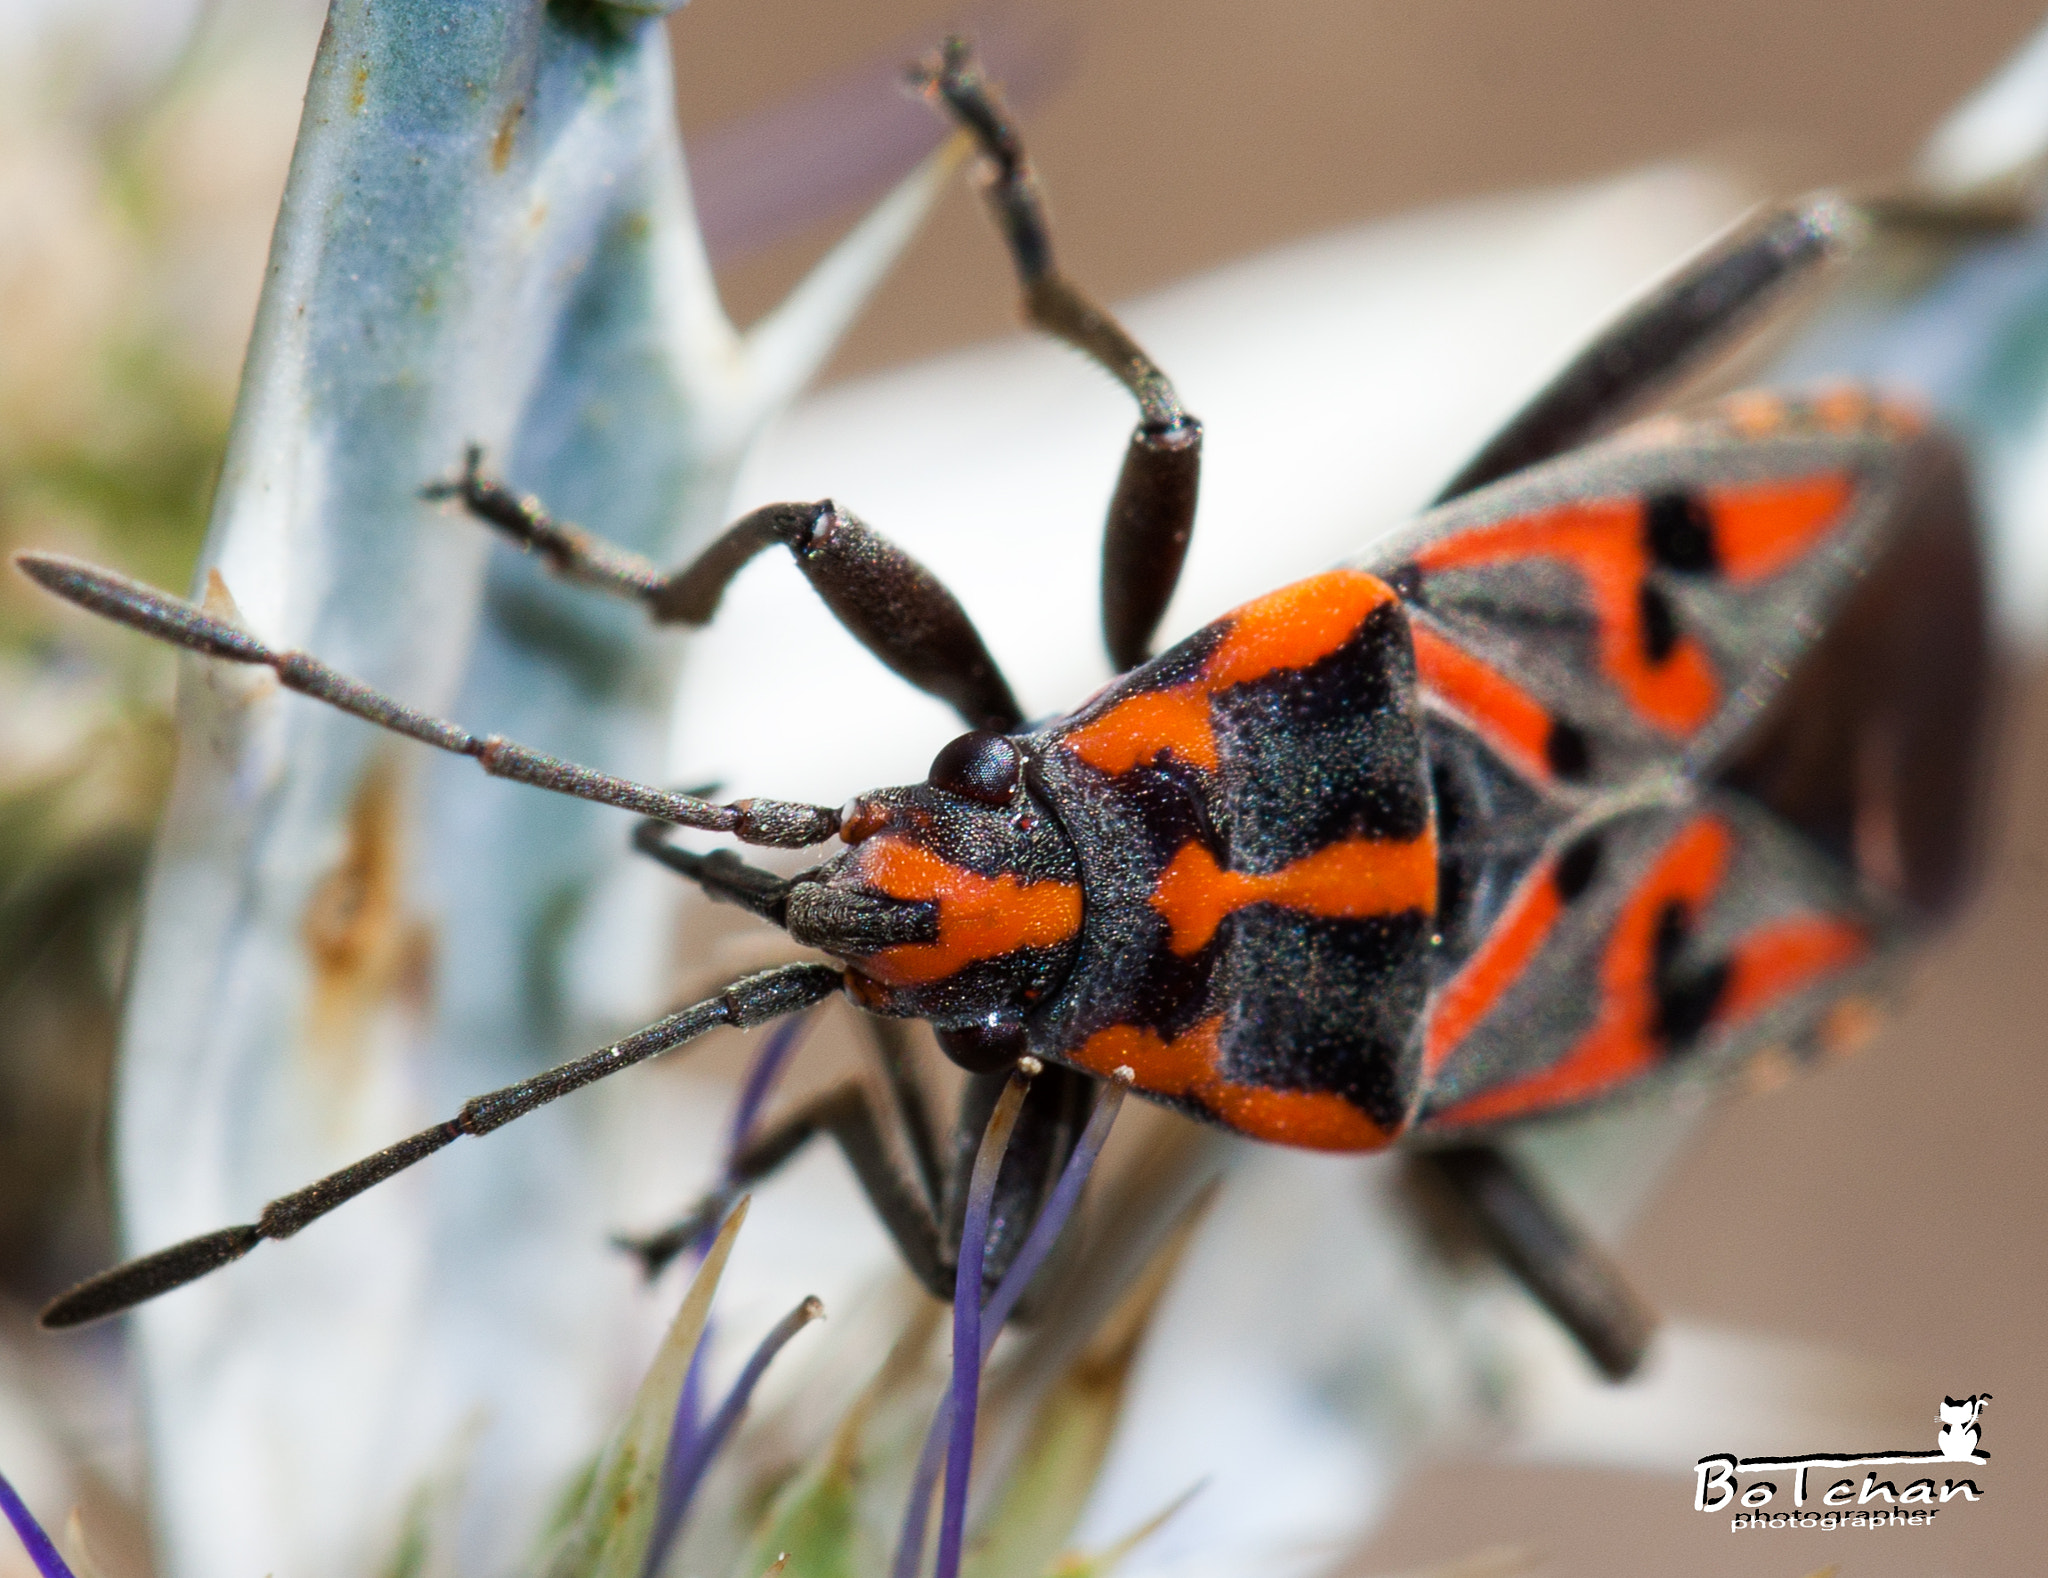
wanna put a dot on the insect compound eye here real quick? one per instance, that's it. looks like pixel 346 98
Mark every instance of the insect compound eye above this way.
pixel 987 1047
pixel 980 766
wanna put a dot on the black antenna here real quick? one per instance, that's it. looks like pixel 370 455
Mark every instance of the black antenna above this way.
pixel 782 824
pixel 752 1001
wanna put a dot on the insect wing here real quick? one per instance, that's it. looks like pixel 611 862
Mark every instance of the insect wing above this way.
pixel 1684 769
pixel 1633 607
pixel 1681 937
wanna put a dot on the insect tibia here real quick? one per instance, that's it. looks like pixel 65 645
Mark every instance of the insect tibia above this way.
pixel 568 551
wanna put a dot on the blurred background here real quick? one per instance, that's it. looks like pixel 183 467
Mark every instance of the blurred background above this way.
pixel 1889 1208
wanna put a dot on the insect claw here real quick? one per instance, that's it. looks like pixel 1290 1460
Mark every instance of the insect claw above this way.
pixel 464 486
pixel 655 1251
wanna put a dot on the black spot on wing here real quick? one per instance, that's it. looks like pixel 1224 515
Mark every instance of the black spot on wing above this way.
pixel 1567 751
pixel 1687 995
pixel 1477 794
pixel 1679 533
pixel 1313 755
pixel 1578 866
pixel 1659 622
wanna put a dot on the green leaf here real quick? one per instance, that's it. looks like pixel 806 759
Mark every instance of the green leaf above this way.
pixel 815 1526
pixel 608 1536
pixel 1052 1478
pixel 814 1523
pixel 1099 1564
pixel 1049 1480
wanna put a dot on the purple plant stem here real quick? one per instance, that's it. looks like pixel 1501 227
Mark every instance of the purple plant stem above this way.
pixel 981 1194
pixel 763 1074
pixel 1059 1205
pixel 688 1459
pixel 689 1417
pixel 760 1083
pixel 1045 1232
pixel 910 1544
pixel 33 1539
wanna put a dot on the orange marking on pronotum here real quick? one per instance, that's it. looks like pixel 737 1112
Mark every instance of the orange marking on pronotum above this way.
pixel 1762 528
pixel 1139 727
pixel 1295 626
pixel 979 917
pixel 1510 720
pixel 1623 1040
pixel 1291 628
pixel 1348 880
pixel 1603 541
pixel 1179 1068
pixel 1314 1120
pixel 1498 963
pixel 1188 1069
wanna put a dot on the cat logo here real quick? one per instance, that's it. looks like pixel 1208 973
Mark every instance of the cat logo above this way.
pixel 1958 1439
pixel 1718 1487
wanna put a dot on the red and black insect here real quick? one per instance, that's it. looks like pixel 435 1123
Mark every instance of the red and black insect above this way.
pixel 1629 761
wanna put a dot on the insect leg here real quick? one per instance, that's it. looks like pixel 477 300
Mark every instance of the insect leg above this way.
pixel 1696 310
pixel 887 601
pixel 1152 512
pixel 913 1109
pixel 846 918
pixel 721 874
pixel 751 1001
pixel 849 1117
pixel 911 1221
pixel 782 824
pixel 1564 1271
pixel 569 551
